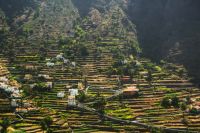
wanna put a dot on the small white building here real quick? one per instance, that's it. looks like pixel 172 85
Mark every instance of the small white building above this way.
pixel 73 92
pixel 74 64
pixel 50 64
pixel 61 94
pixel 59 56
pixel 48 59
pixel 4 79
pixel 66 61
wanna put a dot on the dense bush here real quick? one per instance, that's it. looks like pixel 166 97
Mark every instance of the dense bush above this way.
pixel 175 101
pixel 46 123
pixel 169 101
pixel 40 87
pixel 194 111
pixel 165 102
pixel 5 124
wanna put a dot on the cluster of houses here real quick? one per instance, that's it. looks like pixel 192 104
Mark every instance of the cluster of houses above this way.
pixel 12 92
pixel 60 57
pixel 73 92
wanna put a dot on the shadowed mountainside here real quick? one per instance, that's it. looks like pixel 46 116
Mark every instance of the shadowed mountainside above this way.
pixel 169 30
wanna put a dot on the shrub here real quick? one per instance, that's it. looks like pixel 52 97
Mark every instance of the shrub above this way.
pixel 81 97
pixel 46 123
pixel 83 51
pixel 100 105
pixel 40 87
pixel 194 111
pixel 5 124
pixel 185 121
pixel 183 106
pixel 175 101
pixel 166 102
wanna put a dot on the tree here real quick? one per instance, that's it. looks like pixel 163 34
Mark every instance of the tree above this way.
pixel 149 78
pixel 81 97
pixel 131 72
pixel 46 124
pixel 5 124
pixel 42 52
pixel 165 102
pixel 175 101
pixel 43 126
pixel 83 50
pixel 183 108
pixel 100 105
pixel 188 100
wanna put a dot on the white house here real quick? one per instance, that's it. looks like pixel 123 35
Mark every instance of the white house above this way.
pixel 66 61
pixel 50 64
pixel 61 94
pixel 15 92
pixel 74 64
pixel 3 86
pixel 4 79
pixel 73 92
pixel 48 59
pixel 59 56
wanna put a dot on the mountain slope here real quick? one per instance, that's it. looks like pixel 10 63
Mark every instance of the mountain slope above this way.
pixel 166 29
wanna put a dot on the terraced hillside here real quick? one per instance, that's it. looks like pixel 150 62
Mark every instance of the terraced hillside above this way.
pixel 94 68
pixel 118 90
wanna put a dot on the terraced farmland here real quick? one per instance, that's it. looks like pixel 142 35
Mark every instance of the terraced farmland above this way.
pixel 139 113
